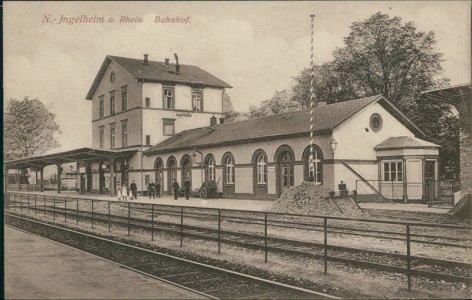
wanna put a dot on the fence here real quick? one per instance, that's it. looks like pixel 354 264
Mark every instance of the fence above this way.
pixel 323 236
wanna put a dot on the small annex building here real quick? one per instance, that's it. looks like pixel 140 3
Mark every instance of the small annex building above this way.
pixel 366 144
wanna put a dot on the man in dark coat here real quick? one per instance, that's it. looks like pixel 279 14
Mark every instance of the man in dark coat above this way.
pixel 187 187
pixel 176 188
pixel 151 188
pixel 134 190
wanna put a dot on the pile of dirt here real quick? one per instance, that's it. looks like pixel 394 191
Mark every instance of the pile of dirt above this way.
pixel 309 198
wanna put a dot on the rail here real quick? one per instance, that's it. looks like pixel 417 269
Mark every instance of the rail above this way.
pixel 265 230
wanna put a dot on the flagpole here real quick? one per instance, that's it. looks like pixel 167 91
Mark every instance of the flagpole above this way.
pixel 311 172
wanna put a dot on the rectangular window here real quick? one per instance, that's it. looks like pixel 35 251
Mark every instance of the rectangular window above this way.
pixel 169 126
pixel 124 98
pixel 148 102
pixel 147 178
pixel 124 134
pixel 102 107
pixel 112 103
pixel 102 137
pixel 168 98
pixel 393 171
pixel 197 100
pixel 148 140
pixel 112 137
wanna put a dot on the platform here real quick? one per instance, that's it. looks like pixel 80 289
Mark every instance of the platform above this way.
pixel 38 268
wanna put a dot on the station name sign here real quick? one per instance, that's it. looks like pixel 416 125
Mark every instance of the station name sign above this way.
pixel 183 115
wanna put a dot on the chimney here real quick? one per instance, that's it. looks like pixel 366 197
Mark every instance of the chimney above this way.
pixel 222 120
pixel 145 59
pixel 166 61
pixel 177 66
pixel 212 121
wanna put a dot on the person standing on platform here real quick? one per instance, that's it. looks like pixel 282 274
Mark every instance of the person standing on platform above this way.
pixel 124 192
pixel 176 188
pixel 187 187
pixel 151 188
pixel 134 190
pixel 118 191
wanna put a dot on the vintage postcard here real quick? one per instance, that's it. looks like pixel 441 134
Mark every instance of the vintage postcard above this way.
pixel 259 149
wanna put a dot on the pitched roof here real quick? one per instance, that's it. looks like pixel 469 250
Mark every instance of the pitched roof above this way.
pixel 158 72
pixel 289 124
pixel 403 142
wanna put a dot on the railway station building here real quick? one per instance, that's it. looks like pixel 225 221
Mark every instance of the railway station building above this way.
pixel 159 121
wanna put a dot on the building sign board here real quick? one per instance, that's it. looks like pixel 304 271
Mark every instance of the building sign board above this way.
pixel 183 115
pixel 82 170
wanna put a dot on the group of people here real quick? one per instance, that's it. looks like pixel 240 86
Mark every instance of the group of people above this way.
pixel 176 188
pixel 154 190
pixel 123 191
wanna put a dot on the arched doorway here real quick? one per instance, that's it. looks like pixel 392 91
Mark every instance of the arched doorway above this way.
pixel 315 173
pixel 171 172
pixel 285 168
pixel 228 173
pixel 186 165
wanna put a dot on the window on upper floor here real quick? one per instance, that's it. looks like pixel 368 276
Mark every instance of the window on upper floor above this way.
pixel 124 98
pixel 197 100
pixel 124 134
pixel 147 102
pixel 112 137
pixel 169 99
pixel 101 106
pixel 112 103
pixel 169 126
pixel 102 137
pixel 148 140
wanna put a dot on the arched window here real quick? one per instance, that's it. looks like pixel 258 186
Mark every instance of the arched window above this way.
pixel 210 168
pixel 229 168
pixel 171 171
pixel 315 173
pixel 261 169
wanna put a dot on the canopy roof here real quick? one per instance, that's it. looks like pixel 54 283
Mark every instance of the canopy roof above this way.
pixel 405 142
pixel 66 157
pixel 451 94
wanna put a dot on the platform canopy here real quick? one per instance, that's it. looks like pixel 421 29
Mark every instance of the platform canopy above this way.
pixel 66 157
pixel 451 94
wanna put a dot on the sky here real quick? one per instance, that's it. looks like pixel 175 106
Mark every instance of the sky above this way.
pixel 256 47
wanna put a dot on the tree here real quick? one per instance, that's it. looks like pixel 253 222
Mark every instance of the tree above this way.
pixel 229 113
pixel 279 103
pixel 382 55
pixel 29 129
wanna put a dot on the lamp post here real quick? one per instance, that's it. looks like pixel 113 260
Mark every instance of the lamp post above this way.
pixel 194 159
pixel 333 145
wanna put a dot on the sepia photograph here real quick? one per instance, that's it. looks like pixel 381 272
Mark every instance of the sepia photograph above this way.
pixel 237 150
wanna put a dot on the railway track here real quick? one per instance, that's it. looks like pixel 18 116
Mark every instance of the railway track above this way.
pixel 206 280
pixel 394 262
